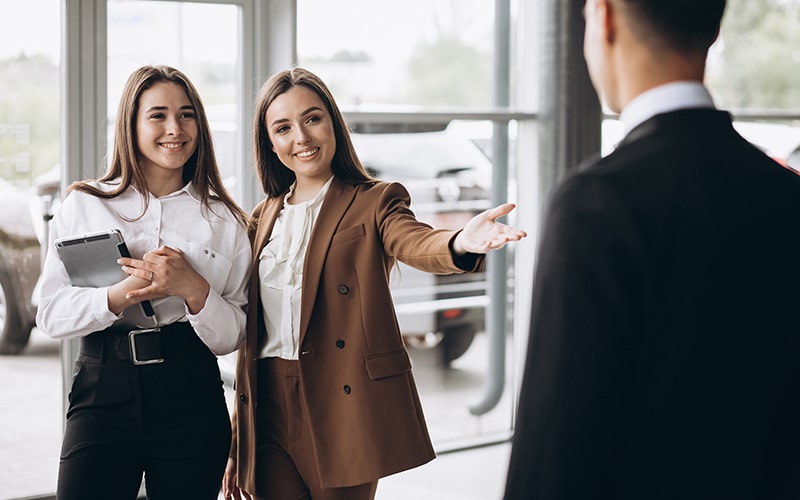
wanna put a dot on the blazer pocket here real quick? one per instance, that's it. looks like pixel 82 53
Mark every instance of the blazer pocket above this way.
pixel 351 233
pixel 387 365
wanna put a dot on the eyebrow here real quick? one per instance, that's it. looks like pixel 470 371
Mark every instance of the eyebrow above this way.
pixel 309 110
pixel 162 108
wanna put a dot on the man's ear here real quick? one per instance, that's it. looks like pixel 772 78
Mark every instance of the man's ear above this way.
pixel 607 16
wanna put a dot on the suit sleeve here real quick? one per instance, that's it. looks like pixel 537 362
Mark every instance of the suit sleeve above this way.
pixel 579 351
pixel 416 243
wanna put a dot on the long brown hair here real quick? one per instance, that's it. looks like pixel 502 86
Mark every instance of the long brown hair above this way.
pixel 275 177
pixel 201 169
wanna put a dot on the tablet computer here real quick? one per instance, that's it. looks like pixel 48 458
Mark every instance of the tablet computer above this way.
pixel 91 260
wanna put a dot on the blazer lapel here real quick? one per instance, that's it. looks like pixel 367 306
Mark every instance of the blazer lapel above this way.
pixel 266 221
pixel 338 199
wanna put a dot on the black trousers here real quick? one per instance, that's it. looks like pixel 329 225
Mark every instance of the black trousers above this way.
pixel 168 421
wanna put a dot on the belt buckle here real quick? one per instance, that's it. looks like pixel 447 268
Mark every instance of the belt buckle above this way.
pixel 134 355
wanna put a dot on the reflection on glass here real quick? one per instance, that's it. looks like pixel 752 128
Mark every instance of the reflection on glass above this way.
pixel 201 40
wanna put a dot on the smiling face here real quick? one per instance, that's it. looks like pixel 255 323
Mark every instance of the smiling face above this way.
pixel 166 131
pixel 302 136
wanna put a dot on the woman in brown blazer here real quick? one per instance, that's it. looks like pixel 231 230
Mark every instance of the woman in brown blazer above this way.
pixel 325 399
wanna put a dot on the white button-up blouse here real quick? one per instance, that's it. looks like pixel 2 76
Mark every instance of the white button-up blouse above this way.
pixel 213 242
pixel 280 272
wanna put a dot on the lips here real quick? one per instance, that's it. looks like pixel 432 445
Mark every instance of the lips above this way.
pixel 172 145
pixel 307 153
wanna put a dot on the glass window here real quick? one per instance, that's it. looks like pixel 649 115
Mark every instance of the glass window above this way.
pixel 431 53
pixel 29 92
pixel 753 70
pixel 755 62
pixel 29 157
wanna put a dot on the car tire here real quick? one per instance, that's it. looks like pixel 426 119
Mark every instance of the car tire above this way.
pixel 455 342
pixel 15 328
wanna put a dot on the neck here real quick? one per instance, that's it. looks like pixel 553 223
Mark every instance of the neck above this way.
pixel 306 189
pixel 644 71
pixel 162 186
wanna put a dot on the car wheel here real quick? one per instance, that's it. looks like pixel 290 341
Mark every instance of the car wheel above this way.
pixel 14 329
pixel 455 342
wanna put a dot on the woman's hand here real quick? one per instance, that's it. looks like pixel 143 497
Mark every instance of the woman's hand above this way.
pixel 229 488
pixel 167 273
pixel 483 233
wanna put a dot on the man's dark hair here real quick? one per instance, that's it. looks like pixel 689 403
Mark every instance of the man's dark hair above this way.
pixel 685 25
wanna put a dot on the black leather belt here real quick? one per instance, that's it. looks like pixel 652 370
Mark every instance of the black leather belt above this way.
pixel 141 347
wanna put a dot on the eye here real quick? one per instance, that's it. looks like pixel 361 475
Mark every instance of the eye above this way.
pixel 281 129
pixel 157 116
pixel 187 115
pixel 313 119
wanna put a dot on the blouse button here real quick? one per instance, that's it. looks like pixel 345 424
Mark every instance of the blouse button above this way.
pixel 243 398
pixel 346 389
pixel 340 344
pixel 343 289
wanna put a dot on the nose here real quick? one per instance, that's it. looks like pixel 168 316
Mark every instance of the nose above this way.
pixel 173 126
pixel 301 136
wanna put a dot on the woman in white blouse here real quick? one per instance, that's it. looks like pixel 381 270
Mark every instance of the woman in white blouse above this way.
pixel 151 403
pixel 326 402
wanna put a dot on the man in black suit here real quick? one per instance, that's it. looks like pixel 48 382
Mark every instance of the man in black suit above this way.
pixel 664 356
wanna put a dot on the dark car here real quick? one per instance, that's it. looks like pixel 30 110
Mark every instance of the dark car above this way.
pixel 448 177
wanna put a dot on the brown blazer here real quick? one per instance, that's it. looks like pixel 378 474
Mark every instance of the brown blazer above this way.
pixel 365 415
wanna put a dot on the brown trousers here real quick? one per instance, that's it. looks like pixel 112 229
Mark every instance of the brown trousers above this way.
pixel 285 465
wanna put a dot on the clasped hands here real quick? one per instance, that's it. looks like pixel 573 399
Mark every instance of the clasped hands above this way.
pixel 161 273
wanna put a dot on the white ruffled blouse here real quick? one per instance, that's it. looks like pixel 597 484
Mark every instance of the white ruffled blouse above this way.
pixel 280 272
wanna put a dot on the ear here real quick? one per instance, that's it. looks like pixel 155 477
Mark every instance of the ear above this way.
pixel 607 16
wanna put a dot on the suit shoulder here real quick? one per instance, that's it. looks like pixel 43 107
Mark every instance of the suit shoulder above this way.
pixel 380 189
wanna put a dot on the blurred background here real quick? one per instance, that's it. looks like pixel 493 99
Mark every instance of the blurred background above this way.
pixel 467 102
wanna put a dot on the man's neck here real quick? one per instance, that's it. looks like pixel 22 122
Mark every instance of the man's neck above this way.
pixel 648 71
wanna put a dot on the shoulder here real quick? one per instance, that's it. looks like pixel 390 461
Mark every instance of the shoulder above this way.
pixel 77 196
pixel 381 190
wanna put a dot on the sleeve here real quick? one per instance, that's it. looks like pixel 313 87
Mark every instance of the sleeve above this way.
pixel 416 243
pixel 66 311
pixel 580 348
pixel 221 322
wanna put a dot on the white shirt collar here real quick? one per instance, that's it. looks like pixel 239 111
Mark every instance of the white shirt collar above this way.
pixel 663 99
pixel 188 188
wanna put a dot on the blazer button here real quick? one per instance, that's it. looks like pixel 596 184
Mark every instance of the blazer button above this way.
pixel 340 344
pixel 343 289
pixel 346 389
pixel 243 398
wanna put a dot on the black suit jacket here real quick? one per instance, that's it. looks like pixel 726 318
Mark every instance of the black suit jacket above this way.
pixel 664 357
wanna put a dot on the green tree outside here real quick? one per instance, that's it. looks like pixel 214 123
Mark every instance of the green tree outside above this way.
pixel 756 61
